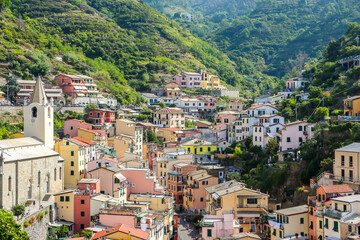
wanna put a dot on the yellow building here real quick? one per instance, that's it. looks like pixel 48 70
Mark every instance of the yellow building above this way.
pixel 128 128
pixel 246 204
pixel 346 165
pixel 290 221
pixel 98 136
pixel 168 134
pixel 199 146
pixel 125 143
pixel 157 202
pixel 65 205
pixel 170 118
pixel 352 106
pixel 74 154
pixel 210 82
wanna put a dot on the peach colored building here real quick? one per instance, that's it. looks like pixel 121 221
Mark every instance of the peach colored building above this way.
pixel 235 105
pixel 209 102
pixel 221 121
pixel 118 215
pixel 140 181
pixel 188 79
pixel 71 127
pixel 195 192
pixel 294 134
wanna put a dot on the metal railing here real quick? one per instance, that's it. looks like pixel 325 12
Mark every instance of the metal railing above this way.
pixel 349 118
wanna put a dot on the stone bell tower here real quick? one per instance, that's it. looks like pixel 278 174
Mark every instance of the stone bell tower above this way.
pixel 39 116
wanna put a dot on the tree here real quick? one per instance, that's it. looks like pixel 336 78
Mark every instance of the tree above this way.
pixel 11 88
pixel 9 229
pixel 272 148
pixel 87 233
pixel 4 4
pixel 149 136
pixel 238 151
pixel 18 210
pixel 321 112
pixel 162 105
pixel 62 232
pixel 326 165
pixel 90 107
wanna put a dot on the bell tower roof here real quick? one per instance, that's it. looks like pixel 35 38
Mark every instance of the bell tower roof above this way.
pixel 38 95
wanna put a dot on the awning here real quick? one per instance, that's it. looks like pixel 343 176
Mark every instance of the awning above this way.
pixel 215 195
pixel 80 87
pixel 248 214
pixel 249 196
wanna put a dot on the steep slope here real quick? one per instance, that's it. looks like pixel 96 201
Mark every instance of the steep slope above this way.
pixel 119 42
pixel 278 32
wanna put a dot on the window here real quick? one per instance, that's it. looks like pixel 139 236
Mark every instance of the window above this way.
pixel 201 149
pixel 342 161
pixel 60 173
pixel 61 198
pixel 82 201
pixel 82 226
pixel 335 229
pixel 209 232
pixel 67 143
pixel 300 140
pixel 280 234
pixel 350 161
pixel 326 225
pixel 9 184
pixel 67 199
pixel 336 206
pixel 55 174
pixel 274 232
pixel 251 201
pixel 344 206
pixel 82 214
pixel 320 224
pixel 342 173
pixel 349 228
pixel 34 112
pixel 300 128
pixel 72 153
pixel 201 199
pixel 301 220
pixel 311 225
pixel 72 172
pixel 288 139
pixel 209 149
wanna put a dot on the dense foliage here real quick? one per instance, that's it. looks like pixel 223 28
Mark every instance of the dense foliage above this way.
pixel 9 229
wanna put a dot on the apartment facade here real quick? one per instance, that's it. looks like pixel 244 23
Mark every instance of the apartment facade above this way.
pixel 188 80
pixel 170 118
pixel 346 164
pixel 102 116
pixel 352 106
pixel 294 134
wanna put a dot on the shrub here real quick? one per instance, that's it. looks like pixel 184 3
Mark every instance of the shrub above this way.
pixel 40 216
pixel 46 212
pixel 26 224
pixel 32 220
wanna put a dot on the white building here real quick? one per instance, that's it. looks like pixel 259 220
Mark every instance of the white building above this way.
pixel 266 128
pixel 190 105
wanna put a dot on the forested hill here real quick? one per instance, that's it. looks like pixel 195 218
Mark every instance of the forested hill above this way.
pixel 121 43
pixel 270 36
pixel 282 31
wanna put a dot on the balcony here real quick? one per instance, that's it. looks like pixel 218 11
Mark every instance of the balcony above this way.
pixel 329 212
pixel 276 225
pixel 349 118
pixel 346 179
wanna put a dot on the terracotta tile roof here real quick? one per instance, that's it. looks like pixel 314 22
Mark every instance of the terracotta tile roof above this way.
pixel 124 229
pixel 342 188
pixel 110 159
pixel 170 110
pixel 82 141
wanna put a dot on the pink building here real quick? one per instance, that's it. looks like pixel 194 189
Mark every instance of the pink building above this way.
pixel 111 180
pixel 103 162
pixel 118 215
pixel 71 127
pixel 209 102
pixel 101 116
pixel 295 83
pixel 295 133
pixel 73 85
pixel 219 226
pixel 223 120
pixel 140 181
pixel 188 79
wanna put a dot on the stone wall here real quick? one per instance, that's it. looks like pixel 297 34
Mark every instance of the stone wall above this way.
pixel 39 228
pixel 11 109
pixel 75 109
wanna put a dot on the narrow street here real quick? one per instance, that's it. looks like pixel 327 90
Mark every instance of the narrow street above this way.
pixel 185 234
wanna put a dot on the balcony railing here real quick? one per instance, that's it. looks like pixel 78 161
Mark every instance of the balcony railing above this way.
pixel 329 212
pixel 349 118
pixel 275 224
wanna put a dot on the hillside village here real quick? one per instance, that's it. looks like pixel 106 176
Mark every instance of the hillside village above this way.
pixel 163 170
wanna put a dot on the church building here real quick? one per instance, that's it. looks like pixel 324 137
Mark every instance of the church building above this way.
pixel 30 170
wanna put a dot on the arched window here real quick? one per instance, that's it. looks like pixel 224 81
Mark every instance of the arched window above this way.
pixel 47 183
pixel 49 112
pixel 60 173
pixel 29 187
pixel 39 178
pixel 9 184
pixel 55 174
pixel 34 112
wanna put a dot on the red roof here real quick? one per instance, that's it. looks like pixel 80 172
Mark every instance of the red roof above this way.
pixel 110 159
pixel 170 110
pixel 342 188
pixel 172 129
pixel 82 141
pixel 122 228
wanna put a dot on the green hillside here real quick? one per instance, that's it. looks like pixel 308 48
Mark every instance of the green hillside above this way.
pixel 284 34
pixel 121 43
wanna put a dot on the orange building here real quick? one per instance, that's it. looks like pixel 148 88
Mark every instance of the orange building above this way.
pixel 352 106
pixel 195 192
pixel 172 90
pixel 323 195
